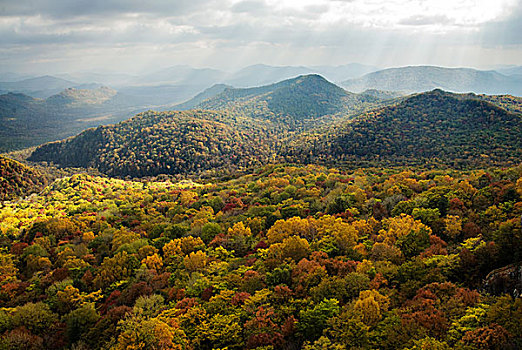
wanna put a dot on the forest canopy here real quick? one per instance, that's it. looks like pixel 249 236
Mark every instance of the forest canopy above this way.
pixel 283 258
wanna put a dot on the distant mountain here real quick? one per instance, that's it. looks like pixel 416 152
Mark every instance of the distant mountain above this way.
pixel 72 97
pixel 436 126
pixel 343 72
pixel 155 143
pixel 261 74
pixel 202 96
pixel 172 85
pixel 17 179
pixel 12 77
pixel 160 95
pixel 515 70
pixel 383 95
pixel 182 75
pixel 294 102
pixel 111 79
pixel 424 78
pixel 41 87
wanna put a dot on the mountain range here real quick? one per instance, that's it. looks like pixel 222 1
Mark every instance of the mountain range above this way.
pixel 305 120
pixel 234 127
pixel 173 85
pixel 424 78
pixel 39 87
pixel 26 121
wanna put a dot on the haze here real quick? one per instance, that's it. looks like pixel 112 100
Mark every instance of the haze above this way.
pixel 56 36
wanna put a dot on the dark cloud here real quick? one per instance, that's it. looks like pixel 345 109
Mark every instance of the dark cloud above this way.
pixel 505 32
pixel 105 8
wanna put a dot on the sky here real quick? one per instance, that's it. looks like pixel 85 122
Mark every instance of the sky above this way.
pixel 133 36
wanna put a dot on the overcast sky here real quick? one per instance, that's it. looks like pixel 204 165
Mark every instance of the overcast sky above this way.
pixel 132 36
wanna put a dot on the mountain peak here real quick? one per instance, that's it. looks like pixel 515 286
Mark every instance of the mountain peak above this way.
pixel 296 100
pixel 311 77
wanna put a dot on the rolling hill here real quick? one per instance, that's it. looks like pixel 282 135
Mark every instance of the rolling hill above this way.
pixel 434 127
pixel 235 128
pixel 155 143
pixel 425 78
pixel 305 119
pixel 17 179
pixel 72 97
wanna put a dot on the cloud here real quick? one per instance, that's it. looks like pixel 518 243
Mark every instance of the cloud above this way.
pixel 250 6
pixel 132 33
pixel 504 32
pixel 103 8
pixel 421 20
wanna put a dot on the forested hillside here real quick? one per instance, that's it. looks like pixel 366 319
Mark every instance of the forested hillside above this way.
pixel 434 127
pixel 283 258
pixel 293 104
pixel 155 143
pixel 508 102
pixel 16 179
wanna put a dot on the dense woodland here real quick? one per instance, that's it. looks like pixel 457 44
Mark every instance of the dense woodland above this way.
pixel 155 143
pixel 284 258
pixel 436 126
pixel 17 180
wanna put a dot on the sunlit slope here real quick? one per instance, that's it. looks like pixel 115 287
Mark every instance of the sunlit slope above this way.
pixel 17 179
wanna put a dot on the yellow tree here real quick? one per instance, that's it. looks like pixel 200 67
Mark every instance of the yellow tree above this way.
pixel 453 226
pixel 138 333
pixel 195 261
pixel 294 226
pixel 370 305
pixel 8 270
